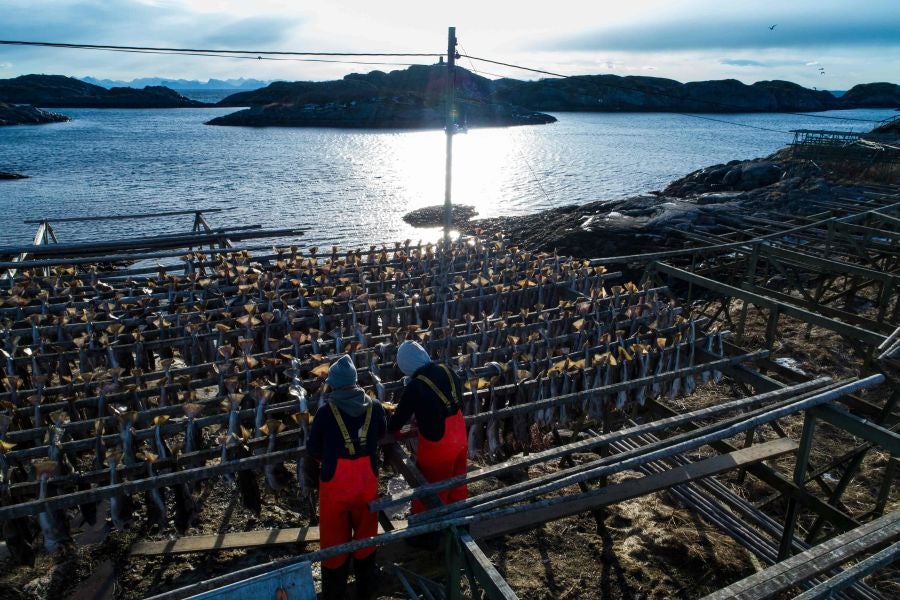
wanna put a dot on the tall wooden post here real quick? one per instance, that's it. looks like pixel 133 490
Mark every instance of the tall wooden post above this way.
pixel 449 127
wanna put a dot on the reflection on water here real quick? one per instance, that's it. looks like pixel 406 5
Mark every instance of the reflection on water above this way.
pixel 351 187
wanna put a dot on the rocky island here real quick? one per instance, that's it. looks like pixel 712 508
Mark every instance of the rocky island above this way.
pixel 24 114
pixel 612 93
pixel 58 91
pixel 413 98
pixel 408 99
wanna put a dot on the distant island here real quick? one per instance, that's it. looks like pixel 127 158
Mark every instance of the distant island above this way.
pixel 24 114
pixel 409 99
pixel 413 98
pixel 58 91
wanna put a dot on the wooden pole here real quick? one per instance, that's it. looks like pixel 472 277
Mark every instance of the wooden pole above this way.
pixel 448 128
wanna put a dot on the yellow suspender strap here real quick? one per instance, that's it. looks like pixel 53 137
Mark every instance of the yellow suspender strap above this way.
pixel 437 390
pixel 346 434
pixel 452 383
pixel 364 432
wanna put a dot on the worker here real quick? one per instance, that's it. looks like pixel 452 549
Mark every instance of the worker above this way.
pixel 434 394
pixel 344 440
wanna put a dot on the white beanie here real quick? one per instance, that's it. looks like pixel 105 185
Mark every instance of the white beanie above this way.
pixel 411 357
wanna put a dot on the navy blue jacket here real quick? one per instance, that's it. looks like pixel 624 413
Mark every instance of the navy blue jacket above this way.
pixel 418 398
pixel 326 444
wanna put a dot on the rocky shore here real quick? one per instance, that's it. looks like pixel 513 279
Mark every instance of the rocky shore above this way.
pixel 380 113
pixel 24 114
pixel 714 200
pixel 6 175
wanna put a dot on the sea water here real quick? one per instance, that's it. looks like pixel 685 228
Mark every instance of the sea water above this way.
pixel 352 187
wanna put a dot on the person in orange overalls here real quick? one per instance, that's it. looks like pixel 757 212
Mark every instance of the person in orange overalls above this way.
pixel 434 395
pixel 344 439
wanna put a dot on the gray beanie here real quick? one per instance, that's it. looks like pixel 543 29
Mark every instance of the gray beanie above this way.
pixel 411 357
pixel 342 373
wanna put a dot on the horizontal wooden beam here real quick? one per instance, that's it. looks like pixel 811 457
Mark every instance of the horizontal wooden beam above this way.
pixel 862 428
pixel 869 337
pixel 170 213
pixel 818 559
pixel 237 540
pixel 633 488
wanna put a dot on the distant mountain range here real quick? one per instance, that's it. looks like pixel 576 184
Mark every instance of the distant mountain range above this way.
pixel 181 84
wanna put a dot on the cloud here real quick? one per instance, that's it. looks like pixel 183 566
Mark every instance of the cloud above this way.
pixel 743 62
pixel 5 65
pixel 267 31
pixel 870 25
pixel 649 68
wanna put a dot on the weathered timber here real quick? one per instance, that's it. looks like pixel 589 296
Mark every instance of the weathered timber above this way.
pixel 816 560
pixel 566 506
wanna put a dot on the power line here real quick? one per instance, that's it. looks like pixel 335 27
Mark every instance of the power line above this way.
pixel 212 51
pixel 275 58
pixel 655 92
pixel 733 123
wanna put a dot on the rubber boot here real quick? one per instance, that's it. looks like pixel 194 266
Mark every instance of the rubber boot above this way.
pixel 334 582
pixel 366 577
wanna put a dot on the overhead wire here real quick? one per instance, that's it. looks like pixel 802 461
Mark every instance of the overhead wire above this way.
pixel 519 150
pixel 212 51
pixel 275 58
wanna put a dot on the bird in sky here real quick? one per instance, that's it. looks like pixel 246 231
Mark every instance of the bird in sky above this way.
pixel 772 27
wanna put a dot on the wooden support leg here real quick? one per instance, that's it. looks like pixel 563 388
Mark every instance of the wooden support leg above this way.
pixel 453 559
pixel 890 472
pixel 772 328
pixel 582 485
pixel 790 522
pixel 835 496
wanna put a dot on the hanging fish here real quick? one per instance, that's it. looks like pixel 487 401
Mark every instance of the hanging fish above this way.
pixel 624 368
pixel 155 498
pixel 476 430
pixel 642 353
pixel 675 384
pixel 719 350
pixel 120 506
pixel 493 427
pixel 246 479
pixel 16 532
pixel 271 429
pixel 54 525
pixel 660 354
pixel 689 383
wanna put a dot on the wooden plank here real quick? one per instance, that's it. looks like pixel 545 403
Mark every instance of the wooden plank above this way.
pixel 490 580
pixel 818 559
pixel 848 577
pixel 867 430
pixel 121 217
pixel 633 488
pixel 231 541
pixel 778 481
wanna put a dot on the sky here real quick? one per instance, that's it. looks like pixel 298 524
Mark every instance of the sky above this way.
pixel 828 44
